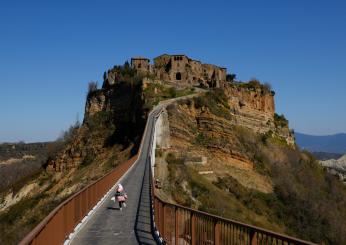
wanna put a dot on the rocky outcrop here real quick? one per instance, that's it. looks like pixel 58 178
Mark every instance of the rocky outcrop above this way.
pixel 113 115
pixel 96 103
pixel 253 107
pixel 189 126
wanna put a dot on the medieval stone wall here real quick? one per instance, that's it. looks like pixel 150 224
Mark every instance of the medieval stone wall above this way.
pixel 182 71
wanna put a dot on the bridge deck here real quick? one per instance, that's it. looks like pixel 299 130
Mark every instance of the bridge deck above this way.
pixel 132 225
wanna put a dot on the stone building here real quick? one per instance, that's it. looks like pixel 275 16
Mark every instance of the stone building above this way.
pixel 181 70
pixel 141 64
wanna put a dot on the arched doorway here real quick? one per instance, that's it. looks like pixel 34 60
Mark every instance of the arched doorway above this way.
pixel 178 76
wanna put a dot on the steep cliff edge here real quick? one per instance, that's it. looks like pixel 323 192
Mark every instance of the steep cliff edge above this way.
pixel 252 105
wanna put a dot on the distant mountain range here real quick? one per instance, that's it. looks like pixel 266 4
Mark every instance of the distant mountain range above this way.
pixel 330 143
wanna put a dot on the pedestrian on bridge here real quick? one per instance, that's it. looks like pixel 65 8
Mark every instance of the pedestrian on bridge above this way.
pixel 121 196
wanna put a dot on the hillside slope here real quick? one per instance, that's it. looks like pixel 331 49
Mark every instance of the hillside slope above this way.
pixel 19 161
pixel 218 164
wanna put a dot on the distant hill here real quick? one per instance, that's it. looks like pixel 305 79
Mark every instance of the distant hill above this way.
pixel 326 155
pixel 329 143
pixel 19 161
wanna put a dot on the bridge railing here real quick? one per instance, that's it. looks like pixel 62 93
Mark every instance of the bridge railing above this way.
pixel 181 225
pixel 58 225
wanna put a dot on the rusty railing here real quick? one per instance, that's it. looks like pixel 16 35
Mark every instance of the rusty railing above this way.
pixel 180 225
pixel 57 226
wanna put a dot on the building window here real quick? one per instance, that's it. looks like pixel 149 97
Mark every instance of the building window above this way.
pixel 178 76
pixel 139 66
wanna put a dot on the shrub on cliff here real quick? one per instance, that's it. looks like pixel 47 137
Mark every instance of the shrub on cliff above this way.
pixel 231 77
pixel 280 121
pixel 125 73
pixel 255 84
pixel 216 101
pixel 92 88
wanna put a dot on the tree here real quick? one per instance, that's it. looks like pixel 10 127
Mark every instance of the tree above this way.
pixel 92 87
pixel 230 77
pixel 104 76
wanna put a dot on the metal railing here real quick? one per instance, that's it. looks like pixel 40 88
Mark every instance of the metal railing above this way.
pixel 57 226
pixel 181 225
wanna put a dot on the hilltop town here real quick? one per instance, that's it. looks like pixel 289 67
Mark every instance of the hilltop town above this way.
pixel 178 70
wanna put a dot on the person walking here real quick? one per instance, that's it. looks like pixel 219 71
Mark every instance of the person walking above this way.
pixel 121 196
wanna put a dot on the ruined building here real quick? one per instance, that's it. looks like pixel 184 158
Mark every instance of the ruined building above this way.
pixel 181 70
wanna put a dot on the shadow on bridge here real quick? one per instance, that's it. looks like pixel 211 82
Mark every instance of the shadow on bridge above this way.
pixel 143 224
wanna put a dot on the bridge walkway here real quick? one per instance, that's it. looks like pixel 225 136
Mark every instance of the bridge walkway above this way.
pixel 132 225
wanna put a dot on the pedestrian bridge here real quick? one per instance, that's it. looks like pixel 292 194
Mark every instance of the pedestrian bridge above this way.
pixel 90 217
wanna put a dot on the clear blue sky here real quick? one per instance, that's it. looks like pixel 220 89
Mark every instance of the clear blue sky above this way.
pixel 50 51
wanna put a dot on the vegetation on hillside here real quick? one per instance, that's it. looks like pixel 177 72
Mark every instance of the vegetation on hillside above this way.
pixel 216 102
pixel 255 84
pixel 49 189
pixel 155 92
pixel 20 162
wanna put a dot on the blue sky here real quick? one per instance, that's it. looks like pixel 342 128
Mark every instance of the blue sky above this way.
pixel 49 51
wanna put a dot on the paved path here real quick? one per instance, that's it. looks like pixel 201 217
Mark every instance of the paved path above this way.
pixel 132 225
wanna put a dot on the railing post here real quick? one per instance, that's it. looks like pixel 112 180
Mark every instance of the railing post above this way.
pixel 216 232
pixel 193 231
pixel 163 220
pixel 176 225
pixel 253 237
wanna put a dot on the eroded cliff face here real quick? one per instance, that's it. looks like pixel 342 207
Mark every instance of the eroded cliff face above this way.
pixel 219 121
pixel 113 115
pixel 254 108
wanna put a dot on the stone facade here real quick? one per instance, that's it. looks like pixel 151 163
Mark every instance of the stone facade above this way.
pixel 140 64
pixel 181 70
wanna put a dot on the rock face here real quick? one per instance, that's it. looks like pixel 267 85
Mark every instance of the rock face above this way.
pixel 113 115
pixel 253 107
pixel 336 167
pixel 214 126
